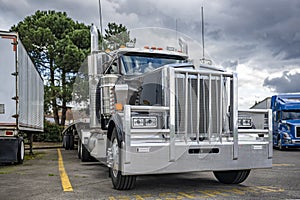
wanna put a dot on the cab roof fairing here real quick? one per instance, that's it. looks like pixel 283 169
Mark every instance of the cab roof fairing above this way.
pixel 151 51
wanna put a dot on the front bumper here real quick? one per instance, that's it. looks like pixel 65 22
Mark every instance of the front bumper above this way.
pixel 155 159
pixel 291 143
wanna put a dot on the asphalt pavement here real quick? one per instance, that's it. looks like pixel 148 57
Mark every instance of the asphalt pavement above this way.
pixel 40 177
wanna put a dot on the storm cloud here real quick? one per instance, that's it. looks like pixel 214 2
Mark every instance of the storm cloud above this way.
pixel 287 83
pixel 257 37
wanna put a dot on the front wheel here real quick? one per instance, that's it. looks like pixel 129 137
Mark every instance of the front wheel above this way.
pixel 232 177
pixel 119 181
pixel 280 147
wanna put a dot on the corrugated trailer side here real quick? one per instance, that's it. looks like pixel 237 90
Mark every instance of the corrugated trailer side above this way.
pixel 21 98
pixel 31 94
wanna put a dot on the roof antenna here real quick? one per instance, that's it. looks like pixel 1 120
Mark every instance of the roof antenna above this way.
pixel 203 60
pixel 176 28
pixel 100 18
pixel 202 27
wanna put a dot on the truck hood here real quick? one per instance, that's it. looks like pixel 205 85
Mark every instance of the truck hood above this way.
pixel 292 121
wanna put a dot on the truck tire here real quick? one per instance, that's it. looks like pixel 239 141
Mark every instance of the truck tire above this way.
pixel 119 181
pixel 79 152
pixel 71 138
pixel 67 142
pixel 85 154
pixel 232 177
pixel 280 147
pixel 21 152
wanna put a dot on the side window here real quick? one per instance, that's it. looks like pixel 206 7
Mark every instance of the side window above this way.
pixel 113 68
pixel 278 116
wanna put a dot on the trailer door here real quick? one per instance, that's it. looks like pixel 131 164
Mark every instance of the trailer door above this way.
pixel 8 81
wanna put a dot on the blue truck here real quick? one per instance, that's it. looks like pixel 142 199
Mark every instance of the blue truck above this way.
pixel 286 119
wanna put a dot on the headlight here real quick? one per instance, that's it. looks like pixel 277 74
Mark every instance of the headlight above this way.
pixel 286 136
pixel 247 122
pixel 144 122
pixel 244 121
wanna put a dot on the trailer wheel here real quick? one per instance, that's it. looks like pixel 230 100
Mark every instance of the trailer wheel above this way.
pixel 232 177
pixel 119 181
pixel 21 152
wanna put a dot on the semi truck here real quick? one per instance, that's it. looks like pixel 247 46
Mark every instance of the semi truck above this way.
pixel 286 119
pixel 152 111
pixel 21 98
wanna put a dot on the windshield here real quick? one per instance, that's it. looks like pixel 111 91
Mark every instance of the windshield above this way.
pixel 290 115
pixel 138 63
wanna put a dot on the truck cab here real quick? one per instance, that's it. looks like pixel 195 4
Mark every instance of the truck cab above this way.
pixel 149 110
pixel 286 120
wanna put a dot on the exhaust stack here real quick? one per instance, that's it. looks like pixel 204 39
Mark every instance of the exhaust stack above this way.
pixel 94 39
pixel 93 79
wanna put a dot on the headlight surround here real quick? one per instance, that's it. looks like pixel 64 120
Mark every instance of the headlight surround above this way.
pixel 144 122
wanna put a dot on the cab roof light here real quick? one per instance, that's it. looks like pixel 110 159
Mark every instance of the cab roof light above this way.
pixel 130 44
pixel 146 47
pixel 170 48
pixel 153 48
pixel 160 49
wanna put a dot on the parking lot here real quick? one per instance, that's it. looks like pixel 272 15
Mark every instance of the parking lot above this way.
pixel 41 177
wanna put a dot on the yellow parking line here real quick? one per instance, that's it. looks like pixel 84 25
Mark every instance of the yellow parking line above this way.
pixel 283 165
pixel 189 196
pixel 65 182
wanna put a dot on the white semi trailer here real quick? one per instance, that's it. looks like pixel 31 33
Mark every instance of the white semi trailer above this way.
pixel 21 98
pixel 152 111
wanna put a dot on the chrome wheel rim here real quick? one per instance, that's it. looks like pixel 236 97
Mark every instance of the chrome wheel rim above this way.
pixel 22 150
pixel 115 157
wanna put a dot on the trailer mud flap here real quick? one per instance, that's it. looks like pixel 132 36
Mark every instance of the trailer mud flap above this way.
pixel 8 150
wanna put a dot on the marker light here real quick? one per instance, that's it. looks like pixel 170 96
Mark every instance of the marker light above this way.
pixel 9 133
pixel 119 106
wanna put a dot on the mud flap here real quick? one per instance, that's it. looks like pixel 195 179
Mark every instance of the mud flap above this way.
pixel 8 150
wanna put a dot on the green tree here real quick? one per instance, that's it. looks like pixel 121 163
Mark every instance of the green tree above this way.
pixel 57 45
pixel 116 35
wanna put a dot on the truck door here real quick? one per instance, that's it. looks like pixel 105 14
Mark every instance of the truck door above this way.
pixel 276 121
pixel 275 115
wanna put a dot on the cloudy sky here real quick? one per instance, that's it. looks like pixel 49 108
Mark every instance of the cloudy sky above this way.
pixel 258 39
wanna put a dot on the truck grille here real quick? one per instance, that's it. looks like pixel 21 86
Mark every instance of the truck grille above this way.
pixel 298 132
pixel 200 105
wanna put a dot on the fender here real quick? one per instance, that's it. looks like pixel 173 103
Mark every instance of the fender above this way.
pixel 116 122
